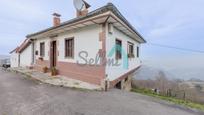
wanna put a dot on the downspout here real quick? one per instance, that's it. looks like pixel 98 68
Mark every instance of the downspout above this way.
pixel 33 51
pixel 19 61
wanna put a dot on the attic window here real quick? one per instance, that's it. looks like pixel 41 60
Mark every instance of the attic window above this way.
pixel 42 49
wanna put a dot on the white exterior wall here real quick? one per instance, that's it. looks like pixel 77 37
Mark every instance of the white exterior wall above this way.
pixel 85 39
pixel 26 57
pixel 114 72
pixel 14 59
pixel 47 48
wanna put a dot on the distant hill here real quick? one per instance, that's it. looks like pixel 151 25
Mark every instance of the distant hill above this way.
pixel 150 72
pixel 3 57
pixel 195 80
pixel 195 84
pixel 181 67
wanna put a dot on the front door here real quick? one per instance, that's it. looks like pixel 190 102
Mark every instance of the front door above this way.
pixel 53 54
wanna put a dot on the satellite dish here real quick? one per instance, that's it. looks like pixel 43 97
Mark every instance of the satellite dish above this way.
pixel 79 4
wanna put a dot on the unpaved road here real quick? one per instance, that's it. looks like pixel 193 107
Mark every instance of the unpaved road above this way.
pixel 21 96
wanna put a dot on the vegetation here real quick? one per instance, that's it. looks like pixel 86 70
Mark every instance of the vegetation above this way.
pixel 187 93
pixel 170 99
pixel 45 69
pixel 54 71
pixel 185 90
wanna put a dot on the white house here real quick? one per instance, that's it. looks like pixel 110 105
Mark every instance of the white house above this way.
pixel 22 56
pixel 14 58
pixel 99 47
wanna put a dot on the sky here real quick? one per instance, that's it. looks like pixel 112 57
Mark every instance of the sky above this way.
pixel 175 23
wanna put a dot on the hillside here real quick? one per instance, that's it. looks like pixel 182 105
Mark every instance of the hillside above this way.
pixel 3 57
pixel 151 72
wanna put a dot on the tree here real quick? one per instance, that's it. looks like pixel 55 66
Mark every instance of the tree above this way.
pixel 162 82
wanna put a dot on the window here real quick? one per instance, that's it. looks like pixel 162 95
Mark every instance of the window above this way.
pixel 126 79
pixel 69 47
pixel 138 51
pixel 118 49
pixel 42 49
pixel 36 52
pixel 130 49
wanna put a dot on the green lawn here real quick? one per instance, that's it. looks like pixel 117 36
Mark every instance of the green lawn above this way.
pixel 170 99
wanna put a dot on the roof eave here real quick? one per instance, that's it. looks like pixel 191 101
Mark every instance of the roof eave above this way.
pixel 24 46
pixel 109 7
pixel 117 12
pixel 15 50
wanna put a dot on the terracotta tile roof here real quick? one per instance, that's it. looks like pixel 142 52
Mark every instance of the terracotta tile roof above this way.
pixel 24 45
pixel 15 50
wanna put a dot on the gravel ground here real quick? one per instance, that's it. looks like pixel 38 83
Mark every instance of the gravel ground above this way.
pixel 22 96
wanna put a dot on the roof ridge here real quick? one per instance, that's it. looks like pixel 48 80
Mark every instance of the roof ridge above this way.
pixel 108 7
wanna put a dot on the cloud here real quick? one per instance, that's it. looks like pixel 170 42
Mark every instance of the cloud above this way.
pixel 165 30
pixel 21 9
pixel 162 19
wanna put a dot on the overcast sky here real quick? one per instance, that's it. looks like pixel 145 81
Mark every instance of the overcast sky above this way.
pixel 176 23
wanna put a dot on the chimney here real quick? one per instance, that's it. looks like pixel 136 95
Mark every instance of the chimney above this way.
pixel 84 11
pixel 56 19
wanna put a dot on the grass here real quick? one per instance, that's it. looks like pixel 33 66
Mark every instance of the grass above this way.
pixel 170 99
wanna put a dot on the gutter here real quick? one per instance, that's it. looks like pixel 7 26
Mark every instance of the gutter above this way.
pixel 108 7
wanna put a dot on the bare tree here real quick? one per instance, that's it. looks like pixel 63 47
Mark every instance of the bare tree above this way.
pixel 173 88
pixel 162 82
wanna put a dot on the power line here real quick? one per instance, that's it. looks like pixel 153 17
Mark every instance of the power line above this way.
pixel 177 48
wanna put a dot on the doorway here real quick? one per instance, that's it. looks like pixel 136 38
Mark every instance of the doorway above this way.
pixel 53 54
pixel 118 85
